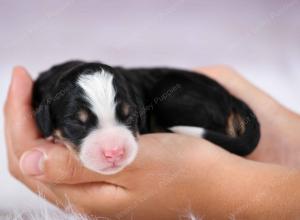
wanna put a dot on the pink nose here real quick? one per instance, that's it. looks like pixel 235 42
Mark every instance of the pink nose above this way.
pixel 114 154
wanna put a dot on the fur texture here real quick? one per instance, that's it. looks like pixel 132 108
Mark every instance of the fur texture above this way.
pixel 98 111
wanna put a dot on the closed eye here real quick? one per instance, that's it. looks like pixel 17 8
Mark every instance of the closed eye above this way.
pixel 81 117
pixel 73 122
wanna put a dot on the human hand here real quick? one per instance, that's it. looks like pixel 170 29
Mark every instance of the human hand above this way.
pixel 280 140
pixel 152 185
pixel 171 176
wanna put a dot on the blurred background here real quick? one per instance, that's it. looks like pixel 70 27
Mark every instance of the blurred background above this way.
pixel 260 38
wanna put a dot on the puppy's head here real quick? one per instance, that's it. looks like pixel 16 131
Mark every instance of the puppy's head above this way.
pixel 91 111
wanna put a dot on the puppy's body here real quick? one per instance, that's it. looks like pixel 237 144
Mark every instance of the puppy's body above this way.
pixel 99 110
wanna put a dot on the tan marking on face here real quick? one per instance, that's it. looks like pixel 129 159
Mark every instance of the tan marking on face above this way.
pixel 58 135
pixel 59 139
pixel 83 116
pixel 125 109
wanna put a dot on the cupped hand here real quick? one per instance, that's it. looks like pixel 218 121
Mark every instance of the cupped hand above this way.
pixel 154 185
pixel 172 175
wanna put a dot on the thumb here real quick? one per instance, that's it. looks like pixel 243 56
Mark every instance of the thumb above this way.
pixel 19 117
pixel 54 163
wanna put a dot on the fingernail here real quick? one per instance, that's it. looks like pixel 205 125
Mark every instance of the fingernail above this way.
pixel 32 163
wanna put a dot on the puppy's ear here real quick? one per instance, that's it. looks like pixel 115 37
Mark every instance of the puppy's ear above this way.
pixel 44 120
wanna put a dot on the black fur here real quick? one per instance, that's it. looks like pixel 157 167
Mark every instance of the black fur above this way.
pixel 157 98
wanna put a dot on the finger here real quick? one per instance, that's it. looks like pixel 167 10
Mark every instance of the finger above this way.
pixel 240 87
pixel 54 163
pixel 20 129
pixel 227 76
pixel 34 185
pixel 19 123
pixel 101 198
pixel 112 199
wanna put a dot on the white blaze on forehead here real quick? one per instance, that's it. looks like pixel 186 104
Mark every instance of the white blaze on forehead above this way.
pixel 100 93
pixel 110 135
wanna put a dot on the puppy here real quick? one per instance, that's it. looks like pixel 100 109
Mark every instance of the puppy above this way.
pixel 98 111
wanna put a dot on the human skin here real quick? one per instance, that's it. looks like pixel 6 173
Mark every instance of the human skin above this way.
pixel 280 142
pixel 173 174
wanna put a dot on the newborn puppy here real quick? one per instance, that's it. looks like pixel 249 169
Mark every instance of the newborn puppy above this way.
pixel 98 111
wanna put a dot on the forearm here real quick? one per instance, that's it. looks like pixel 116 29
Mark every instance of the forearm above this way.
pixel 273 193
pixel 246 190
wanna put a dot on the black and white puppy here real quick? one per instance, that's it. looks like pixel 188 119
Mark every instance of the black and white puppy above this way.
pixel 98 111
